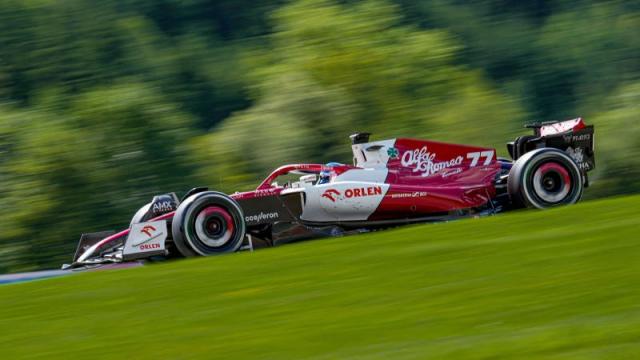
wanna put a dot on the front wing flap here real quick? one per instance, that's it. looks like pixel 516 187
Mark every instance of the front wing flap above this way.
pixel 88 240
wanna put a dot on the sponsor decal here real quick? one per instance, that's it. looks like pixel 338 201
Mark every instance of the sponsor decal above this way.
pixel 577 154
pixel 163 207
pixel 333 194
pixel 421 160
pixel 392 152
pixel 267 192
pixel 146 237
pixel 150 246
pixel 255 194
pixel 150 233
pixel 572 138
pixel 148 229
pixel 362 192
pixel 450 172
pixel 414 194
pixel 264 192
pixel 262 216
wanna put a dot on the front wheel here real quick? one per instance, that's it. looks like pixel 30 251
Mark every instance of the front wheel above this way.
pixel 208 223
pixel 545 178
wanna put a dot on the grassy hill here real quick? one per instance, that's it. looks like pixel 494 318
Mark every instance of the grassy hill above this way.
pixel 559 284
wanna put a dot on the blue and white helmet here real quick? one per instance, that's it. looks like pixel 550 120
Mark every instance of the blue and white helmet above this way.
pixel 325 175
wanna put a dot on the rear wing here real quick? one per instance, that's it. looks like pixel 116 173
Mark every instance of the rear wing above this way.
pixel 571 136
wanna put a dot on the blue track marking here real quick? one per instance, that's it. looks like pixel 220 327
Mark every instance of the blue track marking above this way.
pixel 38 275
pixel 29 276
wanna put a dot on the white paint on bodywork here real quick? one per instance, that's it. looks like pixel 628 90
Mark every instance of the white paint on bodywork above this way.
pixel 331 202
pixel 146 237
pixel 337 205
pixel 372 154
pixel 375 175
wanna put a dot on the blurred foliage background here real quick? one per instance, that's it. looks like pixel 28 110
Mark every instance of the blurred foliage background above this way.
pixel 105 103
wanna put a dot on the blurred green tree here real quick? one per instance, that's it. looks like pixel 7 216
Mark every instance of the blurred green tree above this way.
pixel 618 143
pixel 77 45
pixel 336 69
pixel 104 103
pixel 93 165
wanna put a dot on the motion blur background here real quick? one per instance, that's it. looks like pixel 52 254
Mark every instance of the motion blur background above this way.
pixel 104 103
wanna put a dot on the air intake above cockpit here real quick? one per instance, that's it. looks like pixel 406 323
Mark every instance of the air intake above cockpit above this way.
pixel 360 138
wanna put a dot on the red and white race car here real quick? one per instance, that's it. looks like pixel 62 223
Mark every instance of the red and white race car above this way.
pixel 391 182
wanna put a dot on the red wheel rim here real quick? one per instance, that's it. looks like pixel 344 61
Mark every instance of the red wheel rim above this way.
pixel 552 182
pixel 214 226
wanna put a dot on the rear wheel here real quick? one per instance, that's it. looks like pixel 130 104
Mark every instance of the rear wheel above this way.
pixel 545 178
pixel 208 223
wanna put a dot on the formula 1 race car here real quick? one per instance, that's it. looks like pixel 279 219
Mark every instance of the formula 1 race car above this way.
pixel 391 182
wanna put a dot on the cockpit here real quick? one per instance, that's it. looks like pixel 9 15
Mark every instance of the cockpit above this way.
pixel 300 176
pixel 295 181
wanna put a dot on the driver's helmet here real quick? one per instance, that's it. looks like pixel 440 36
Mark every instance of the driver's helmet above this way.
pixel 325 175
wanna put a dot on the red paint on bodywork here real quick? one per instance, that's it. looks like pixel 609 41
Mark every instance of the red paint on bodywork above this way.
pixel 562 127
pixel 445 178
pixel 441 177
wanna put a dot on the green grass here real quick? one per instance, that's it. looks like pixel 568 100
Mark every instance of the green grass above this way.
pixel 559 284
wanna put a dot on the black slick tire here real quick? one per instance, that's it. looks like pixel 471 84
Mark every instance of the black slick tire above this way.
pixel 545 178
pixel 208 223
